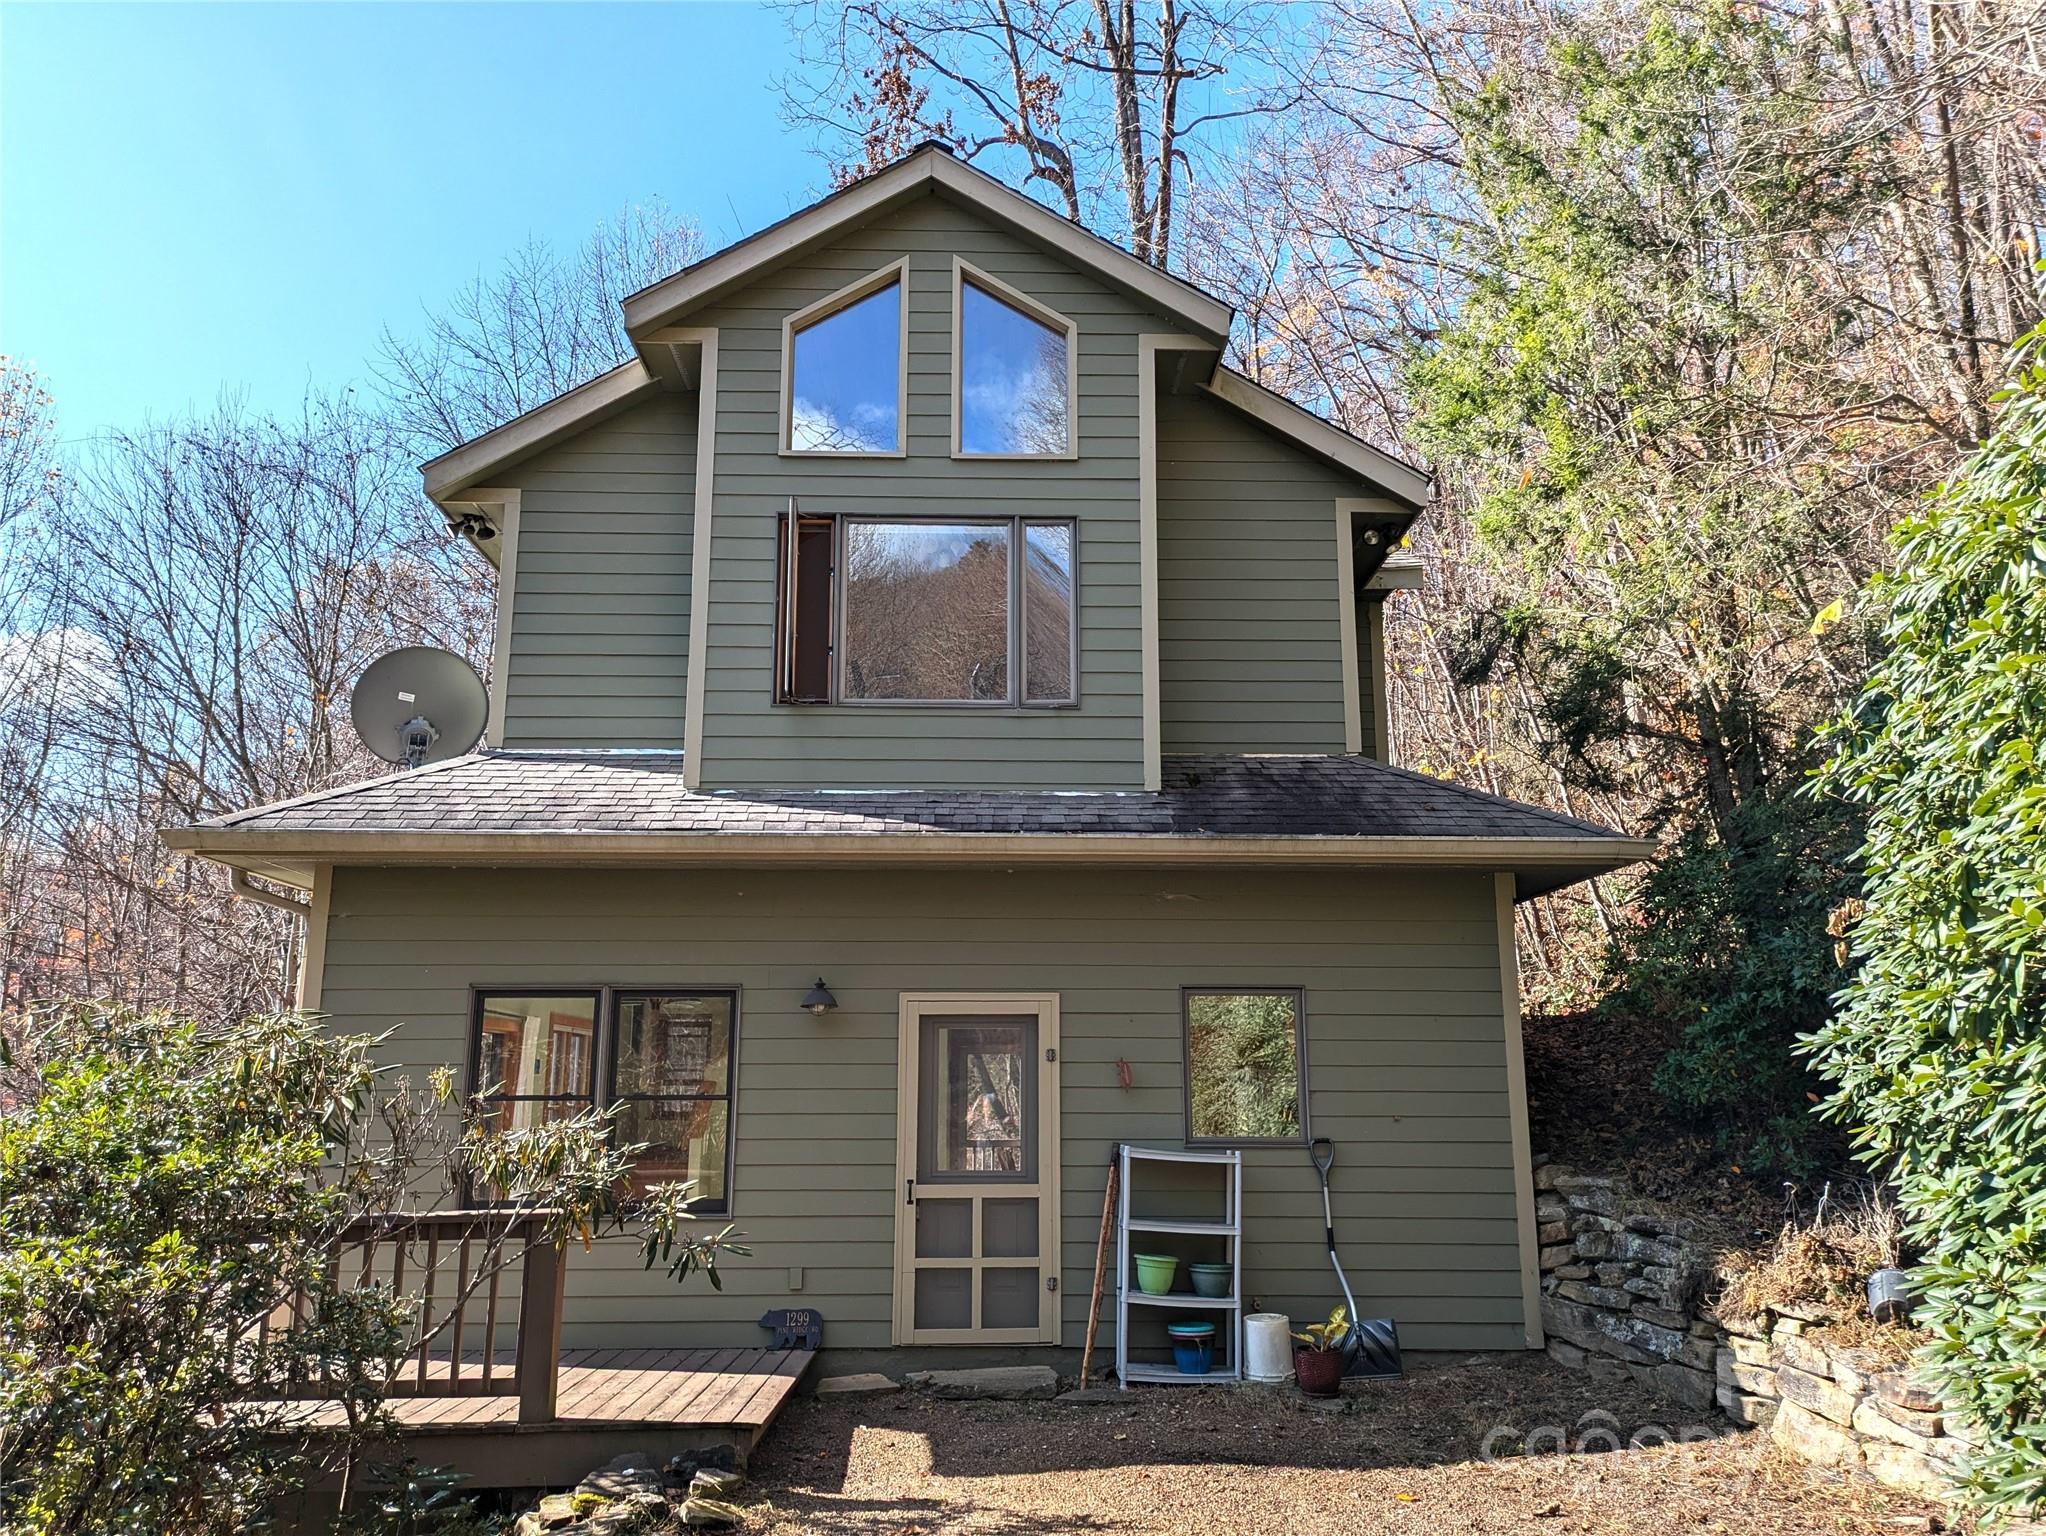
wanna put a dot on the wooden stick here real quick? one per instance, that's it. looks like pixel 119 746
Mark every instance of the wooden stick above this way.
pixel 1100 1259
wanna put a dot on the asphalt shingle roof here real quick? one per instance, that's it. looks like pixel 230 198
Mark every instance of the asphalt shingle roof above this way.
pixel 624 792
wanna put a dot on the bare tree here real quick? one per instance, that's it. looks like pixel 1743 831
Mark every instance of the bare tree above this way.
pixel 535 328
pixel 224 581
pixel 1109 108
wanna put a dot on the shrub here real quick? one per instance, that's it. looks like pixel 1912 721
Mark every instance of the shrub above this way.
pixel 1728 943
pixel 1938 1052
pixel 165 1185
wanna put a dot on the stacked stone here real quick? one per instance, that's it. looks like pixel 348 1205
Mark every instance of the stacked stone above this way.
pixel 1621 1297
pixel 1835 1406
pixel 1618 1288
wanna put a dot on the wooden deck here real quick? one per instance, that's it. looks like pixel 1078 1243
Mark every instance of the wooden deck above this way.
pixel 661 1401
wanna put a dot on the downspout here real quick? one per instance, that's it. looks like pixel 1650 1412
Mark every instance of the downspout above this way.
pixel 238 881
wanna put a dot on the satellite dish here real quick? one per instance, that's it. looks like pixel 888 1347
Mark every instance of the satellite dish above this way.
pixel 419 705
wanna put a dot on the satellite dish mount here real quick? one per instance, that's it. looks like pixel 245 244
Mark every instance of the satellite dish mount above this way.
pixel 419 705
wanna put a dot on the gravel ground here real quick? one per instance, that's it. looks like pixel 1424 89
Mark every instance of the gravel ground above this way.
pixel 1400 1457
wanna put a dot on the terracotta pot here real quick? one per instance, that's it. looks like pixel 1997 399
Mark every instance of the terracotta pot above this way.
pixel 1319 1371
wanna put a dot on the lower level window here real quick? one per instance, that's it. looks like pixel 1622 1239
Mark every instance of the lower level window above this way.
pixel 1245 1080
pixel 664 1057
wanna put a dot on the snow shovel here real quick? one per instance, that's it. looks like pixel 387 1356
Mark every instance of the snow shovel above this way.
pixel 1372 1346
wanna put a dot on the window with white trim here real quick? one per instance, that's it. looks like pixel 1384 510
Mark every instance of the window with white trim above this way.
pixel 1015 379
pixel 844 389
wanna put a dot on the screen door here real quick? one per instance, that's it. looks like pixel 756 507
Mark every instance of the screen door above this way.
pixel 976 1230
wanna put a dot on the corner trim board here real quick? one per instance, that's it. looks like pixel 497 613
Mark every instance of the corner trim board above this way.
pixel 699 549
pixel 1149 345
pixel 507 503
pixel 1346 621
pixel 1516 1096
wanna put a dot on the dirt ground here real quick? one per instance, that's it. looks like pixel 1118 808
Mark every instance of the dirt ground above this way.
pixel 1407 1456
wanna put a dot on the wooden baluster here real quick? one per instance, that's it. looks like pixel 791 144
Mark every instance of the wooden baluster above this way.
pixel 426 1300
pixel 490 1325
pixel 539 1351
pixel 461 1307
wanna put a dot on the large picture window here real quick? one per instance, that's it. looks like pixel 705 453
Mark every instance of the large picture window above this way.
pixel 1246 1078
pixel 927 611
pixel 664 1057
pixel 1014 372
pixel 843 382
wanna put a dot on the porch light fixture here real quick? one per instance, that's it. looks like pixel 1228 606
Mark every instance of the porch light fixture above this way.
pixel 818 1000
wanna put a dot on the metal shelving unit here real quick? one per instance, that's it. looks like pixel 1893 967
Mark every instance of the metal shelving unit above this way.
pixel 1228 1366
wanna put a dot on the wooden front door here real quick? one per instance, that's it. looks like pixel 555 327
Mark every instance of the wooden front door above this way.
pixel 977 1161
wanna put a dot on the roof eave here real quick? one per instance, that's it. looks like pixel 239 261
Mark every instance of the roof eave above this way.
pixel 1409 486
pixel 481 458
pixel 1534 857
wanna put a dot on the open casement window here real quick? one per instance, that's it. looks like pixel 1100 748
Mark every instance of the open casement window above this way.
pixel 1014 372
pixel 664 1057
pixel 972 611
pixel 844 385
pixel 806 553
pixel 1246 1065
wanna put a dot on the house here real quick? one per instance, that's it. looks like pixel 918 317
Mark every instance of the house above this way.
pixel 938 733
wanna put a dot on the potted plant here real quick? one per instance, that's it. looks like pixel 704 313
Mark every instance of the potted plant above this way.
pixel 1318 1361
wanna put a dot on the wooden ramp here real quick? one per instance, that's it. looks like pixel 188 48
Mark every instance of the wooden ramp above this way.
pixel 609 1401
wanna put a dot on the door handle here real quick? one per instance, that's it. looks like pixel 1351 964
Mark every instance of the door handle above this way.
pixel 909 1191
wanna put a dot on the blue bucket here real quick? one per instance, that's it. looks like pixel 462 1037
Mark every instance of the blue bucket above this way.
pixel 1193 1347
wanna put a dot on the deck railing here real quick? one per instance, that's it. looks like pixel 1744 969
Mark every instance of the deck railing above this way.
pixel 456 1264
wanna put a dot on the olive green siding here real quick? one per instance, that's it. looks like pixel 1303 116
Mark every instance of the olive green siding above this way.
pixel 747 740
pixel 1405 1043
pixel 1249 620
pixel 600 601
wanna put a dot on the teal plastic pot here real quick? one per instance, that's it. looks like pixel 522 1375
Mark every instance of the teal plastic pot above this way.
pixel 1193 1347
pixel 1211 1279
pixel 1155 1272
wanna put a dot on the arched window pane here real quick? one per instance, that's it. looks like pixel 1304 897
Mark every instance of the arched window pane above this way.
pixel 1012 379
pixel 845 378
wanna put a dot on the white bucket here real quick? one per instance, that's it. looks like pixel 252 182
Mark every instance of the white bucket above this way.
pixel 1268 1347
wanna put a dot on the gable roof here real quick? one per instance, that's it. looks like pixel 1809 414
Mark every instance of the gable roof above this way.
pixel 929 167
pixel 505 807
pixel 653 314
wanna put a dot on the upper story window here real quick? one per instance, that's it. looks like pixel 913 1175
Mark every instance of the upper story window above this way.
pixel 844 390
pixel 1014 377
pixel 963 610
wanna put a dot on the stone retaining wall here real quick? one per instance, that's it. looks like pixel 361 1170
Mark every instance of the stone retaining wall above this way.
pixel 1622 1294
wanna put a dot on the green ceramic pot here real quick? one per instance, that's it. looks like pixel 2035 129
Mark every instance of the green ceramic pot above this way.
pixel 1155 1272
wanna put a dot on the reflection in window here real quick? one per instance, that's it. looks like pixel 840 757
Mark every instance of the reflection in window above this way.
pixel 1048 613
pixel 535 1058
pixel 1243 1066
pixel 1012 378
pixel 674 1077
pixel 980 1071
pixel 926 611
pixel 845 377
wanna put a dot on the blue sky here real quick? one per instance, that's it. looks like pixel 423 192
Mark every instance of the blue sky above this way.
pixel 194 196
